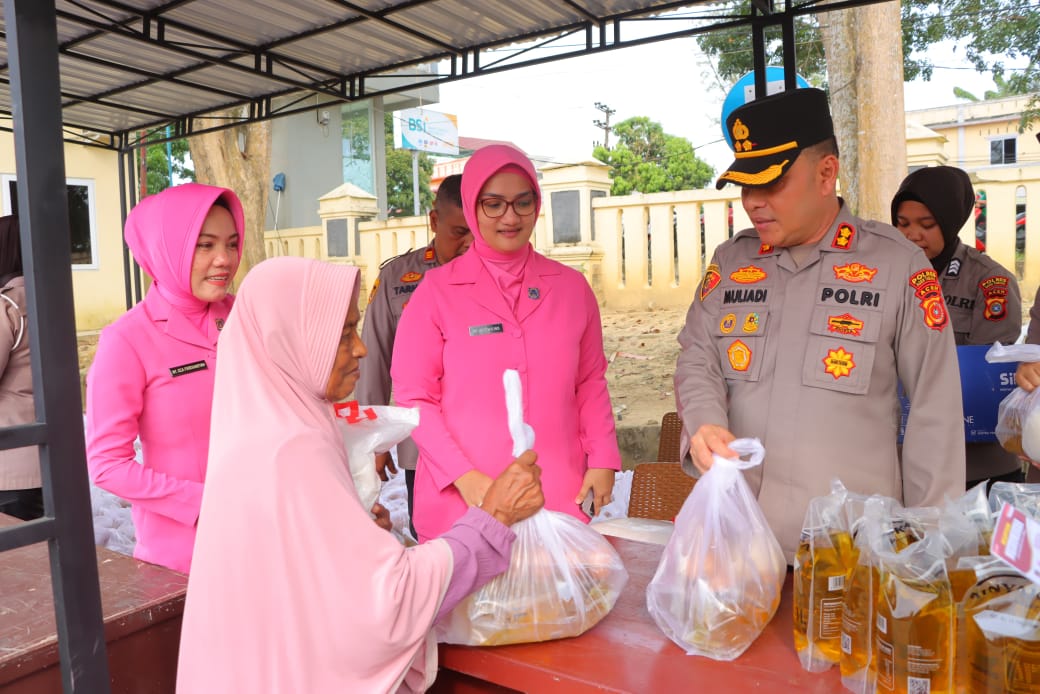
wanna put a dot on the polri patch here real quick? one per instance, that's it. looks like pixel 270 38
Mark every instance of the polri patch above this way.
pixel 995 291
pixel 176 371
pixel 748 275
pixel 489 329
pixel 411 277
pixel 712 277
pixel 843 236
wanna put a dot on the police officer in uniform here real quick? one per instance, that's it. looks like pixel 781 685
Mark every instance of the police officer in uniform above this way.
pixel 398 278
pixel 982 297
pixel 804 324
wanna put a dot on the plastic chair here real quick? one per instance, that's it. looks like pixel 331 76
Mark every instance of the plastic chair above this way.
pixel 671 435
pixel 658 490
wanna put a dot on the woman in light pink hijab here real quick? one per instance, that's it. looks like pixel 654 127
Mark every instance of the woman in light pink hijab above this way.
pixel 502 305
pixel 293 587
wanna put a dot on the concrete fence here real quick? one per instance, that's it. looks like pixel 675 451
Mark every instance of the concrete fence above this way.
pixel 640 251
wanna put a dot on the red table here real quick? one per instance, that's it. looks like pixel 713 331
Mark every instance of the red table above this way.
pixel 626 652
pixel 141 605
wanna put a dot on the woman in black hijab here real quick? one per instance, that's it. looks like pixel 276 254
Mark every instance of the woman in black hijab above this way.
pixel 982 296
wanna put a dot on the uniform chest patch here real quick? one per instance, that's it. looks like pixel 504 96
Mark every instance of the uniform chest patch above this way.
pixel 845 324
pixel 712 277
pixel 728 322
pixel 995 291
pixel 744 296
pixel 751 323
pixel 183 369
pixel 739 356
pixel 410 277
pixel 854 272
pixel 839 363
pixel 927 289
pixel 748 275
pixel 853 297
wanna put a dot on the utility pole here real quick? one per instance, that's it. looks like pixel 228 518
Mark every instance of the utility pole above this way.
pixel 604 124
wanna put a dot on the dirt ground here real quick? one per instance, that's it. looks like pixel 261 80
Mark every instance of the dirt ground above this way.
pixel 641 348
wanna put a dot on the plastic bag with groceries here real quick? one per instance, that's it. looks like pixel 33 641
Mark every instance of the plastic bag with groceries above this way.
pixel 719 580
pixel 367 431
pixel 1018 416
pixel 563 576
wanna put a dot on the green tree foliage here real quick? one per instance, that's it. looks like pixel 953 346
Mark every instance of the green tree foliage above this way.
pixel 159 164
pixel 399 192
pixel 989 30
pixel 648 160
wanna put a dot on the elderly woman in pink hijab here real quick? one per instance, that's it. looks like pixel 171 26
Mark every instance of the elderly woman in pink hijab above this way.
pixel 152 375
pixel 502 305
pixel 293 587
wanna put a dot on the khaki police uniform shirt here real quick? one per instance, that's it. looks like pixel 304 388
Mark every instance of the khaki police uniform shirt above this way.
pixel 985 306
pixel 807 358
pixel 398 278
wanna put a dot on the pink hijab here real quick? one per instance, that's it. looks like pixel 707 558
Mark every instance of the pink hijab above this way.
pixel 161 232
pixel 293 587
pixel 506 268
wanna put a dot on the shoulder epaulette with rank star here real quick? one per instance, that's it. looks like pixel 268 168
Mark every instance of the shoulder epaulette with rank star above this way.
pixel 429 256
pixel 392 259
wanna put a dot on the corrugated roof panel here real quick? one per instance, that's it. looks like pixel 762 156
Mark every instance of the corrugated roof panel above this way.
pixel 165 97
pixel 221 77
pixel 87 116
pixel 259 22
pixel 359 47
pixel 118 49
pixel 81 79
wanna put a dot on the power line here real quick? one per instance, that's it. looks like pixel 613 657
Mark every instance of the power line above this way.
pixel 604 124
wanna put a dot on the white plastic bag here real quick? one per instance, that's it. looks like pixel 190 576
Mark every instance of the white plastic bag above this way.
pixel 371 430
pixel 563 578
pixel 999 353
pixel 720 576
pixel 1018 423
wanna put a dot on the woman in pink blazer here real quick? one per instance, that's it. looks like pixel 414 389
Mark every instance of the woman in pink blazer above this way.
pixel 152 375
pixel 502 306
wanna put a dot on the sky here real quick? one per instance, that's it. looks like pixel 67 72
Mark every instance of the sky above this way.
pixel 548 110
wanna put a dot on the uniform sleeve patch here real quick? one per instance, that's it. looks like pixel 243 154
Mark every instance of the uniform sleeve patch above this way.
pixel 926 287
pixel 712 277
pixel 372 294
pixel 994 291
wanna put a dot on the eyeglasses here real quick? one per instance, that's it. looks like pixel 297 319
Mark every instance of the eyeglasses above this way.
pixel 496 207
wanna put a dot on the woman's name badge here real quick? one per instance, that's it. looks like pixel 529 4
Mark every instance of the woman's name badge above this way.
pixel 488 329
pixel 533 293
pixel 176 371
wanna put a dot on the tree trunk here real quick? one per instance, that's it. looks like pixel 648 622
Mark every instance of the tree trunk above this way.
pixel 864 53
pixel 238 158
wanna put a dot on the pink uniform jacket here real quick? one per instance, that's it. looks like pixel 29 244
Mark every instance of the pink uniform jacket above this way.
pixel 456 337
pixel 153 377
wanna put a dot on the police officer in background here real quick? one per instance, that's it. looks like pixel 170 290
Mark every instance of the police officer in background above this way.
pixel 398 278
pixel 804 324
pixel 982 297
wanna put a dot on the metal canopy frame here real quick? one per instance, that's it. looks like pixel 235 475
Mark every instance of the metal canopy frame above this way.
pixel 98 71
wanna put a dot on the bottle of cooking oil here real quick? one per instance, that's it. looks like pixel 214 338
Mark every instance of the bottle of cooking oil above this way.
pixel 914 622
pixel 822 564
pixel 1002 633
